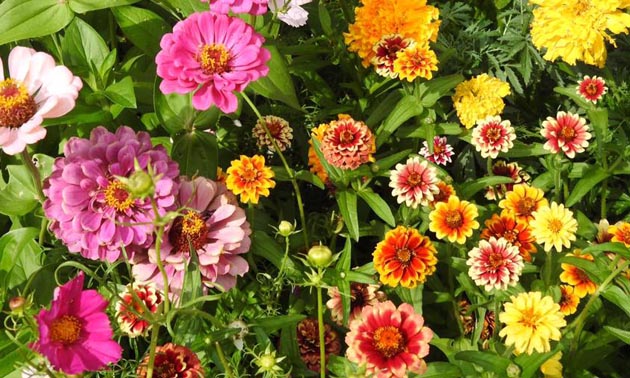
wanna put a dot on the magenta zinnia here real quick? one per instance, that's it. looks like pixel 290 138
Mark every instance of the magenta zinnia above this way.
pixel 214 226
pixel 491 136
pixel 238 6
pixel 495 264
pixel 592 88
pixel 442 151
pixel 414 182
pixel 347 143
pixel 36 89
pixel 91 210
pixel 567 133
pixel 389 341
pixel 212 55
pixel 75 334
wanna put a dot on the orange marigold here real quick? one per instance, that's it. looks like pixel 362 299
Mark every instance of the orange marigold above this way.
pixel 576 277
pixel 514 231
pixel 415 61
pixel 404 257
pixel 454 220
pixel 523 200
pixel 250 178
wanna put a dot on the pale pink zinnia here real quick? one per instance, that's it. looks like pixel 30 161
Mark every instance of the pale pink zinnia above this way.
pixel 495 264
pixel 255 7
pixel 290 11
pixel 135 302
pixel 75 334
pixel 442 151
pixel 390 342
pixel 414 182
pixel 361 295
pixel 36 89
pixel 592 88
pixel 568 133
pixel 347 143
pixel 491 136
pixel 91 210
pixel 212 55
pixel 216 228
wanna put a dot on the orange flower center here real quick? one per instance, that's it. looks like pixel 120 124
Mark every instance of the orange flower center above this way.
pixel 624 235
pixel 389 341
pixel 188 230
pixel 403 255
pixel 530 318
pixel 453 219
pixel 66 329
pixel 526 206
pixel 117 196
pixel 555 225
pixel 493 134
pixel 250 175
pixel 591 89
pixel 495 260
pixel 214 59
pixel 567 132
pixel 166 369
pixel 346 136
pixel 438 149
pixel 16 105
pixel 510 236
pixel 414 179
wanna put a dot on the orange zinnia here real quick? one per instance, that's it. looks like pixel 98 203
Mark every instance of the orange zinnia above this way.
pixel 446 191
pixel 516 232
pixel 250 178
pixel 620 233
pixel 313 160
pixel 569 301
pixel 405 257
pixel 454 220
pixel 523 200
pixel 576 277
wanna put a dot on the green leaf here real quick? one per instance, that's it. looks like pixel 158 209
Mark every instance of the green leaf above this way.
pixel 347 201
pixel 266 247
pixel 82 6
pixel 599 122
pixel 310 177
pixel 621 334
pixel 82 46
pixel 197 154
pixel 22 19
pixel 573 95
pixel 411 296
pixel 383 108
pixel 277 85
pixel 274 323
pixel 591 178
pixel 186 7
pixel 618 248
pixel 486 360
pixel 442 370
pixel 617 296
pixel 531 362
pixel 468 189
pixel 385 163
pixel 433 90
pixel 378 205
pixel 10 355
pixel 143 27
pixel 122 93
pixel 406 108
pixel 19 256
pixel 19 196
pixel 524 150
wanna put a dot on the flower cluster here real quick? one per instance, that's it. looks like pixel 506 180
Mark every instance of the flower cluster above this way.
pixel 478 98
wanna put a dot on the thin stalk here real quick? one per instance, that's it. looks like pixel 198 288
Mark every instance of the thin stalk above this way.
pixel 224 361
pixel 152 347
pixel 451 290
pixel 604 194
pixel 322 341
pixel 497 309
pixel 548 267
pixel 489 166
pixel 37 178
pixel 159 235
pixel 557 180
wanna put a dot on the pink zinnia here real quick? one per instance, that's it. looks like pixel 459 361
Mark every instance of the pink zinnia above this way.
pixel 130 308
pixel 347 143
pixel 442 151
pixel 216 228
pixel 75 334
pixel 592 88
pixel 361 295
pixel 414 182
pixel 35 90
pixel 91 210
pixel 212 55
pixel 238 6
pixel 511 170
pixel 172 361
pixel 385 53
pixel 492 136
pixel 568 133
pixel 389 341
pixel 495 264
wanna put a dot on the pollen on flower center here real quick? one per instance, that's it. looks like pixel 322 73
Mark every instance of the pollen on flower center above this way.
pixel 166 370
pixel 346 136
pixel 250 175
pixel 214 59
pixel 66 329
pixel 403 255
pixel 188 229
pixel 389 341
pixel 555 225
pixel 526 206
pixel 495 260
pixel 493 134
pixel 414 179
pixel 530 319
pixel 454 219
pixel 117 196
pixel 592 89
pixel 16 105
pixel 567 132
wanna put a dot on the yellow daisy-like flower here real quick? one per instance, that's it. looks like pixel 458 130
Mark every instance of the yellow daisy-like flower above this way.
pixel 522 201
pixel 250 178
pixel 377 18
pixel 553 226
pixel 313 160
pixel 620 233
pixel 478 98
pixel 572 275
pixel 552 368
pixel 569 300
pixel 577 30
pixel 531 320
pixel 454 219
pixel 415 61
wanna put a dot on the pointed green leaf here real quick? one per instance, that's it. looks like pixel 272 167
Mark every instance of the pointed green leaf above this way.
pixel 406 108
pixel 23 19
pixel 278 84
pixel 197 154
pixel 347 201
pixel 122 93
pixel 486 360
pixel 413 296
pixel 591 178
pixel 617 296
pixel 143 27
pixel 19 256
pixel 82 46
pixel 469 189
pixel 19 196
pixel 378 205
pixel 621 334
pixel 433 90
pixel 82 6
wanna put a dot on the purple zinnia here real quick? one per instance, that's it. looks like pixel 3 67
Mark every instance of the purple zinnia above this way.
pixel 216 228
pixel 75 335
pixel 90 208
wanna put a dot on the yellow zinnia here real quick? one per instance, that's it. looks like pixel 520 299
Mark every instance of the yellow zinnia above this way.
pixel 531 320
pixel 552 368
pixel 478 98
pixel 522 201
pixel 554 226
pixel 454 220
pixel 415 61
pixel 250 178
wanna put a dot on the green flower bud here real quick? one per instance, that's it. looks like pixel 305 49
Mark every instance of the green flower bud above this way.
pixel 513 371
pixel 140 184
pixel 319 256
pixel 285 228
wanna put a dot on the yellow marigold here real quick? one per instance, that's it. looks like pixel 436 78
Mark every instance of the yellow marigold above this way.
pixel 620 233
pixel 313 160
pixel 554 227
pixel 552 368
pixel 522 201
pixel 572 275
pixel 250 178
pixel 531 320
pixel 478 98
pixel 454 219
pixel 415 61
pixel 577 30
pixel 377 18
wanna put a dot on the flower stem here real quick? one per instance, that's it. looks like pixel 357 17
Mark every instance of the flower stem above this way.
pixel 224 361
pixel 557 178
pixel 152 348
pixel 548 267
pixel 37 178
pixel 159 235
pixel 322 341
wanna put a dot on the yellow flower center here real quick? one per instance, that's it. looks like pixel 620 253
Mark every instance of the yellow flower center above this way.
pixel 214 59
pixel 438 149
pixel 414 179
pixel 403 255
pixel 493 134
pixel 526 206
pixel 66 329
pixel 567 132
pixel 192 224
pixel 346 136
pixel 591 89
pixel 117 196
pixel 188 229
pixel 530 318
pixel 555 225
pixel 624 235
pixel 495 260
pixel 250 175
pixel 16 105
pixel 453 219
pixel 389 341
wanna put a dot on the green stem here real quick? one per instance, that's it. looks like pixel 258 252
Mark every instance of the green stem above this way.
pixel 322 341
pixel 451 290
pixel 37 178
pixel 604 194
pixel 296 187
pixel 557 180
pixel 159 235
pixel 152 348
pixel 497 310
pixel 224 361
pixel 489 166
pixel 548 267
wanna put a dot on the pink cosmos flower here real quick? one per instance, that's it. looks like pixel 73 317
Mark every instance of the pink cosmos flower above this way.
pixel 442 151
pixel 495 264
pixel 212 55
pixel 492 136
pixel 389 341
pixel 414 182
pixel 75 334
pixel 568 133
pixel 290 11
pixel 592 88
pixel 361 295
pixel 90 209
pixel 216 228
pixel 36 89
pixel 347 143
pixel 129 310
pixel 238 6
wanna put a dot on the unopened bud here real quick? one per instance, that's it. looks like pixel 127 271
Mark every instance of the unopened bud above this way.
pixel 17 303
pixel 513 371
pixel 140 184
pixel 319 256
pixel 285 228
